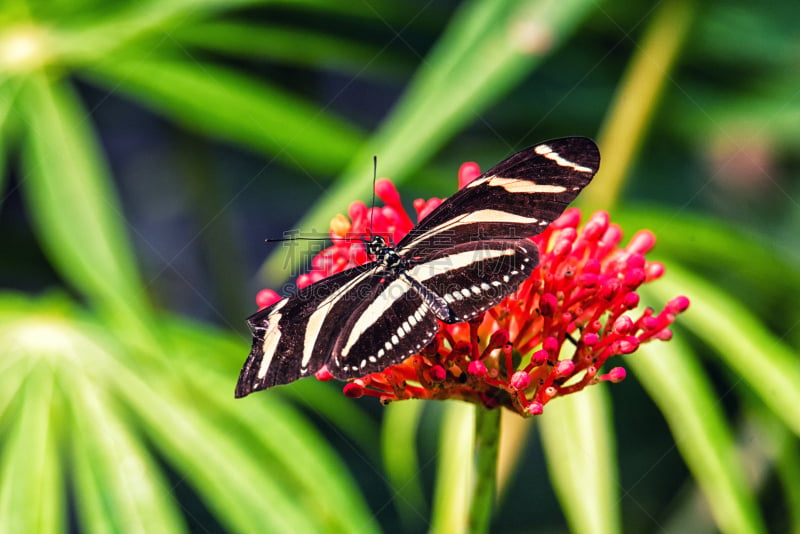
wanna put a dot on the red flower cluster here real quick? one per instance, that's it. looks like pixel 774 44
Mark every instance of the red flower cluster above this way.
pixel 549 338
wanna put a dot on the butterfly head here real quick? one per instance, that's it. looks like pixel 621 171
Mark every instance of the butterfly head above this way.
pixel 376 245
pixel 383 253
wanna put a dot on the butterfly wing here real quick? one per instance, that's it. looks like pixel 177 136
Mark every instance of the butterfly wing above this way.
pixel 294 337
pixel 472 277
pixel 463 259
pixel 392 323
pixel 518 197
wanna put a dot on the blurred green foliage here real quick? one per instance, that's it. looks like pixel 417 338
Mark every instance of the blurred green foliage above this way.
pixel 147 147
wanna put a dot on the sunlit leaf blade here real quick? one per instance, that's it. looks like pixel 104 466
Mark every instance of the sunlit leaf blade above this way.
pixel 227 476
pixel 227 105
pixel 515 432
pixel 90 37
pixel 31 494
pixel 328 402
pixel 696 240
pixel 758 358
pixel 399 449
pixel 247 492
pixel 486 49
pixel 297 455
pixel 293 46
pixel 73 205
pixel 225 355
pixel 454 483
pixel 119 486
pixel 673 378
pixel 577 434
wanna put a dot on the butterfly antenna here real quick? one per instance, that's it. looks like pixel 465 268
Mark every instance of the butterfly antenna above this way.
pixel 374 179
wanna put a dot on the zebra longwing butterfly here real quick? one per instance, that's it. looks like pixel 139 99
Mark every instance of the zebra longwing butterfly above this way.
pixel 462 259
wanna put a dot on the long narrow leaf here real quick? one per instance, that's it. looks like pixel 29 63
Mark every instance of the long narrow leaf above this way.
pixel 119 486
pixel 74 206
pixel 742 342
pixel 398 444
pixel 577 434
pixel 672 377
pixel 454 474
pixel 293 46
pixel 282 436
pixel 222 103
pixel 31 492
pixel 239 486
pixel 109 29
pixel 225 354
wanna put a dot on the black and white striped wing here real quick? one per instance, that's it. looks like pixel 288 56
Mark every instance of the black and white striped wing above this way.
pixel 462 259
pixel 518 197
pixel 393 323
pixel 472 277
pixel 293 338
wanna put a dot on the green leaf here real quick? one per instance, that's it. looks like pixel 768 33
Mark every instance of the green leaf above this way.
pixel 73 205
pixel 328 401
pixel 454 473
pixel 705 243
pixel 296 453
pixel 120 487
pixel 224 104
pixel 578 439
pixel 673 378
pixel 31 492
pixel 231 480
pixel 485 51
pixel 101 32
pixel 288 485
pixel 225 354
pixel 757 357
pixel 399 448
pixel 294 46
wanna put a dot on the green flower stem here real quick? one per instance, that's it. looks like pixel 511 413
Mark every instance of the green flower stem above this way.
pixel 487 440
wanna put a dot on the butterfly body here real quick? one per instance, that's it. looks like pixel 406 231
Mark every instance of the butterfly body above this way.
pixel 459 261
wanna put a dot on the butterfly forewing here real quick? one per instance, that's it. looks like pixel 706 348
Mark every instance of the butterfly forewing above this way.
pixel 460 260
pixel 518 197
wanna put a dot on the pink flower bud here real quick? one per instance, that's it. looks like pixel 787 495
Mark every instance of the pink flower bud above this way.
pixel 323 375
pixel 438 373
pixel 565 367
pixel 477 368
pixel 266 297
pixel 534 408
pixel 353 390
pixel 642 242
pixel 467 173
pixel 520 380
pixel 387 192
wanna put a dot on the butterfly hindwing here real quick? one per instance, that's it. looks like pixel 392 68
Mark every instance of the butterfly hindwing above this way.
pixel 392 324
pixel 473 277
